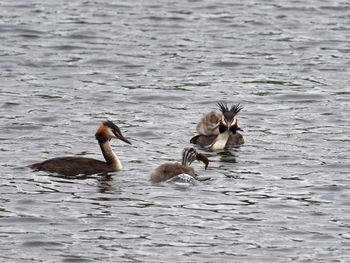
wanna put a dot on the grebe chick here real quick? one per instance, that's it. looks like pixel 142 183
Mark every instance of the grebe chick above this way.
pixel 219 130
pixel 169 170
pixel 82 165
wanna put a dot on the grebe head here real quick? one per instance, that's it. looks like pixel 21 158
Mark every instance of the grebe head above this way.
pixel 190 154
pixel 229 117
pixel 109 130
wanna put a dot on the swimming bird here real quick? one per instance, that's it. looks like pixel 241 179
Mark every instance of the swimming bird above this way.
pixel 169 170
pixel 81 165
pixel 219 130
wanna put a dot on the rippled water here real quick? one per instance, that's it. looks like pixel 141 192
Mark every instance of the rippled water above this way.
pixel 155 68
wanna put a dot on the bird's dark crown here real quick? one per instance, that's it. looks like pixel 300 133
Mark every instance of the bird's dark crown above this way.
pixel 111 125
pixel 229 113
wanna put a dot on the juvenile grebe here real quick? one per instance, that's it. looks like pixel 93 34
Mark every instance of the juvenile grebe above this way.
pixel 82 165
pixel 219 130
pixel 169 170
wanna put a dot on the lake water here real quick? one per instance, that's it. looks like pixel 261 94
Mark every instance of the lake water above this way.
pixel 154 68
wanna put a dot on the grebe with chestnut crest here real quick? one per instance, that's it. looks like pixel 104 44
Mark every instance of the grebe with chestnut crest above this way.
pixel 81 165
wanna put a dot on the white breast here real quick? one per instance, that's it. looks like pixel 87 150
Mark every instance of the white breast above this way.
pixel 220 141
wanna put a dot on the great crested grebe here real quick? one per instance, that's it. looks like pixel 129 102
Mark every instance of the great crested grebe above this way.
pixel 82 165
pixel 169 170
pixel 219 130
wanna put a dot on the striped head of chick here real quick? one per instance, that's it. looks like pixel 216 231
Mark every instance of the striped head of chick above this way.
pixel 189 155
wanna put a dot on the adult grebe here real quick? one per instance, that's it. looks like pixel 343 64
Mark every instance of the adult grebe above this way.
pixel 219 130
pixel 81 165
pixel 169 170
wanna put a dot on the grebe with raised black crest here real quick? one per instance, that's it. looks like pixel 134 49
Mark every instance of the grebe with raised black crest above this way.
pixel 219 130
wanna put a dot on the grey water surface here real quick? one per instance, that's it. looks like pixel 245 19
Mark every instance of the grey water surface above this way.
pixel 154 68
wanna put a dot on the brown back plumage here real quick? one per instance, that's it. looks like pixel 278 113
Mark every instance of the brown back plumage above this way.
pixel 208 124
pixel 202 140
pixel 169 170
pixel 73 166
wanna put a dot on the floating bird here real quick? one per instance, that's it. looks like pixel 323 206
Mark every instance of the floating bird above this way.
pixel 81 165
pixel 219 130
pixel 169 170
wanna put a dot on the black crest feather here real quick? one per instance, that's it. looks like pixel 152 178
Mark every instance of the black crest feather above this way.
pixel 229 113
pixel 111 125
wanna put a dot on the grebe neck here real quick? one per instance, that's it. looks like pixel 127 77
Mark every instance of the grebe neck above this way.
pixel 220 141
pixel 110 157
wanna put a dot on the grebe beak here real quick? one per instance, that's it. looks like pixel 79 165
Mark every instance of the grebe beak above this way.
pixel 120 137
pixel 203 158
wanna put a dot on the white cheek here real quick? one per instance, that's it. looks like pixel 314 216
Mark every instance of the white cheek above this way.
pixel 223 121
pixel 234 121
pixel 110 133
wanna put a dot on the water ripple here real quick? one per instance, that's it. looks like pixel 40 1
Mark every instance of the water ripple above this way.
pixel 155 69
